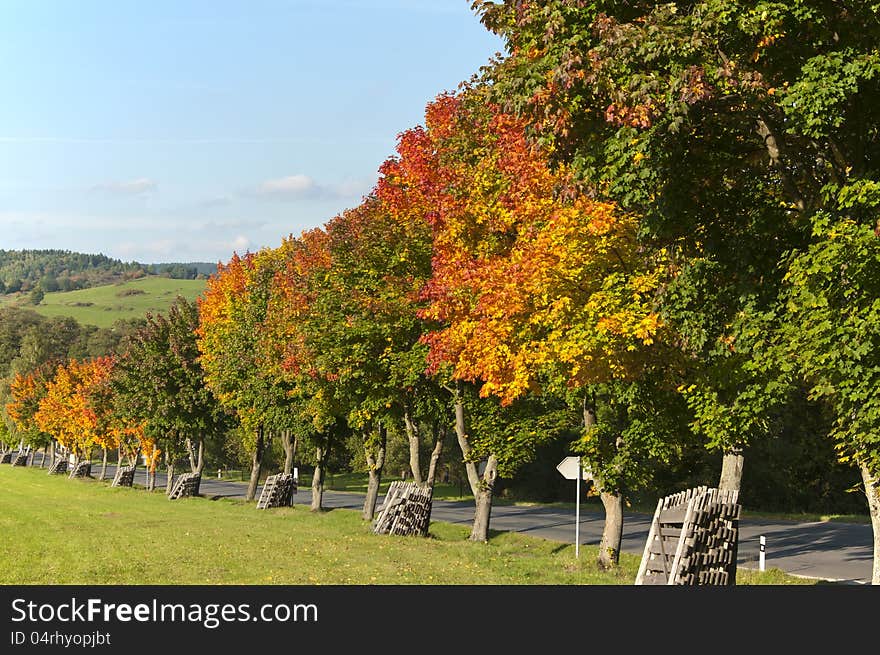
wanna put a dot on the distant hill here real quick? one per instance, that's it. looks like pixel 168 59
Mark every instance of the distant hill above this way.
pixel 22 271
pixel 61 270
pixel 102 306
pixel 184 270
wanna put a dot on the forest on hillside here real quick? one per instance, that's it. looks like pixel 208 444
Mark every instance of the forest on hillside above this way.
pixel 63 270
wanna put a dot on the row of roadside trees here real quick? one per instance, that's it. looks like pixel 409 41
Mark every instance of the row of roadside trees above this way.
pixel 646 227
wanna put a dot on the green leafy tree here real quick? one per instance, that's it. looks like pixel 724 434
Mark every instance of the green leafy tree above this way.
pixel 832 340
pixel 158 382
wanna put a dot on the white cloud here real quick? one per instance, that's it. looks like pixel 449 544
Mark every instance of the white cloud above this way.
pixel 297 187
pixel 240 243
pixel 352 188
pixel 137 251
pixel 136 187
pixel 251 224
pixel 290 186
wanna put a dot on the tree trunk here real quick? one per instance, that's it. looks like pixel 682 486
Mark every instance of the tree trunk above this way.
pixel 872 491
pixel 439 434
pixel 481 487
pixel 612 502
pixel 318 479
pixel 731 470
pixel 256 466
pixel 190 451
pixel 439 437
pixel 412 434
pixel 52 453
pixel 103 473
pixel 133 456
pixel 200 460
pixel 375 462
pixel 470 468
pixel 612 534
pixel 480 530
pixel 169 471
pixel 289 446
pixel 43 458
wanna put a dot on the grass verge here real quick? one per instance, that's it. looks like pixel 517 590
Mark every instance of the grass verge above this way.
pixel 61 531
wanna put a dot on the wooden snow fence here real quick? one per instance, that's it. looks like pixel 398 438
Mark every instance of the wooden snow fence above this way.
pixel 406 510
pixel 693 539
pixel 277 491
pixel 59 467
pixel 187 484
pixel 20 458
pixel 124 477
pixel 81 470
pixel 6 458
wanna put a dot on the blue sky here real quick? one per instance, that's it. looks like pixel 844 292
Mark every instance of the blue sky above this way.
pixel 185 130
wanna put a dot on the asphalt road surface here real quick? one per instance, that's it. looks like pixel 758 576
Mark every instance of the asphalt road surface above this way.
pixel 841 552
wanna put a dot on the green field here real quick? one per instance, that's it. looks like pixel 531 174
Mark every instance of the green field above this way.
pixel 102 306
pixel 61 531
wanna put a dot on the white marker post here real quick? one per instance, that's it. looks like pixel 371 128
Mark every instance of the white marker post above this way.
pixel 761 554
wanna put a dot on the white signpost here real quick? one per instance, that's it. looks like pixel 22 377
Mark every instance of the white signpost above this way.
pixel 571 469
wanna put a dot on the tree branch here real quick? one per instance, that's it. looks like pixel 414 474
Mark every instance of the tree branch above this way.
pixel 773 150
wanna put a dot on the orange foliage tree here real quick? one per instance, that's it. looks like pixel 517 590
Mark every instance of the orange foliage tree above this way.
pixel 74 410
pixel 26 391
pixel 535 287
pixel 291 352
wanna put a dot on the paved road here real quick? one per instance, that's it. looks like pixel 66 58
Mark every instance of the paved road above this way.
pixel 830 551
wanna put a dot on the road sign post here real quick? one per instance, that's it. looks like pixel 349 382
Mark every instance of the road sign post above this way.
pixel 572 469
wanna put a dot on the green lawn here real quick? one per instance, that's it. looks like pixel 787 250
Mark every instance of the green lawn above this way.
pixel 102 306
pixel 61 531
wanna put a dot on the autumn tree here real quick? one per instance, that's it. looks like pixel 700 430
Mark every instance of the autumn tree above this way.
pixel 413 190
pixel 292 352
pixel 742 128
pixel 353 324
pixel 26 390
pixel 232 315
pixel 685 114
pixel 73 410
pixel 540 289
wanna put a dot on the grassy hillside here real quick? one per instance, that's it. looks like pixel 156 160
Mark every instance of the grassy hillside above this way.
pixel 102 306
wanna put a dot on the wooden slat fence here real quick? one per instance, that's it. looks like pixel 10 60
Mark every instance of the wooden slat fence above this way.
pixel 81 470
pixel 693 539
pixel 405 511
pixel 277 491
pixel 186 484
pixel 59 467
pixel 124 477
